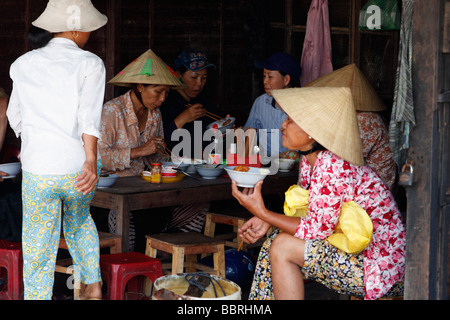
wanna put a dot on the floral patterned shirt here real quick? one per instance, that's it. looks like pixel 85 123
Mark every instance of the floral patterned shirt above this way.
pixel 334 181
pixel 376 148
pixel 120 133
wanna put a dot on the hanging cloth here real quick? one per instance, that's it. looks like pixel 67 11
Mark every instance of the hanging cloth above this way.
pixel 316 56
pixel 402 117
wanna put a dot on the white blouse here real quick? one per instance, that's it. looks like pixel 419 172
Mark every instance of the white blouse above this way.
pixel 58 93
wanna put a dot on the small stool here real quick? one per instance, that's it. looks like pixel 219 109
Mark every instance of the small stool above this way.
pixel 188 244
pixel 235 219
pixel 11 259
pixel 118 269
pixel 106 240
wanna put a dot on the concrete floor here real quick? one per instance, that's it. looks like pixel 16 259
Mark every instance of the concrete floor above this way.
pixel 150 224
pixel 313 291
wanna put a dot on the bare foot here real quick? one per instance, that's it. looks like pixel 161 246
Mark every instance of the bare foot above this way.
pixel 91 291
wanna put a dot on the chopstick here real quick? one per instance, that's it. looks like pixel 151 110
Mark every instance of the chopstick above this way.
pixel 240 143
pixel 209 114
pixel 103 173
pixel 165 150
pixel 251 134
pixel 242 241
pixel 147 164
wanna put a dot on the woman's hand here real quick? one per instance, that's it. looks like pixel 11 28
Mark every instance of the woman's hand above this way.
pixel 86 181
pixel 251 199
pixel 191 114
pixel 151 147
pixel 3 107
pixel 3 119
pixel 3 174
pixel 253 230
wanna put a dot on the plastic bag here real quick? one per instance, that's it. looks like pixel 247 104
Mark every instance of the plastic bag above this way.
pixel 296 202
pixel 380 15
pixel 354 230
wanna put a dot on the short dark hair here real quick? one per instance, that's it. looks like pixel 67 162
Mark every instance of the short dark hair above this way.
pixel 182 69
pixel 293 83
pixel 38 38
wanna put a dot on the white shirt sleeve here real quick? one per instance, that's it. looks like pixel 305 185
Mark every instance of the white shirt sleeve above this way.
pixel 91 102
pixel 13 113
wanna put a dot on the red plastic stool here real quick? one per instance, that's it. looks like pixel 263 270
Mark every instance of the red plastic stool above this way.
pixel 11 260
pixel 119 268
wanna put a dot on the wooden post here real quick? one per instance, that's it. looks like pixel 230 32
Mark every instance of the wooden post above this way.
pixel 424 233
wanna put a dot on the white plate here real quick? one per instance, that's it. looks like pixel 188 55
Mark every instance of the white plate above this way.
pixel 221 127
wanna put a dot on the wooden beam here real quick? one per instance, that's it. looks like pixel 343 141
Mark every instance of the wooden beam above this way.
pixel 112 45
pixel 423 210
pixel 446 38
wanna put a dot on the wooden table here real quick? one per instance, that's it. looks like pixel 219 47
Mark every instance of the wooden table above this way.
pixel 133 193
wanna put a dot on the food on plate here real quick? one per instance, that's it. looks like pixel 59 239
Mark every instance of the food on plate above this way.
pixel 242 169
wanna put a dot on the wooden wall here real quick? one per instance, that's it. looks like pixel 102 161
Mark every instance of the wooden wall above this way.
pixel 167 27
pixel 233 33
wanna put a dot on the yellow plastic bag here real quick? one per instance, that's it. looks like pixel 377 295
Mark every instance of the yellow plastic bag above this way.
pixel 296 202
pixel 354 230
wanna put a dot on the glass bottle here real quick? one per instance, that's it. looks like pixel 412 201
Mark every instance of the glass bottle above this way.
pixel 156 172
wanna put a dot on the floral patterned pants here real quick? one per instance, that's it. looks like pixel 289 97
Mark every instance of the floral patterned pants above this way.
pixel 43 198
pixel 324 263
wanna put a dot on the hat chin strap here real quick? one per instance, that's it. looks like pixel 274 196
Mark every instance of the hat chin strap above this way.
pixel 314 147
pixel 138 94
pixel 305 153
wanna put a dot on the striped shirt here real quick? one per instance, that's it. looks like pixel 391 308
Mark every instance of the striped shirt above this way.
pixel 265 114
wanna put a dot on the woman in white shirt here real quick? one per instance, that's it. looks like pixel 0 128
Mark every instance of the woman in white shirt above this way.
pixel 55 108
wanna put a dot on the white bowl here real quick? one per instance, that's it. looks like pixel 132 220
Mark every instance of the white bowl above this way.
pixel 12 169
pixel 188 164
pixel 181 165
pixel 209 171
pixel 285 165
pixel 247 179
pixel 187 161
pixel 106 182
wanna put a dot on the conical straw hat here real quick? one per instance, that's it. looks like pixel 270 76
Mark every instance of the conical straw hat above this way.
pixel 328 116
pixel 364 96
pixel 70 15
pixel 147 69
